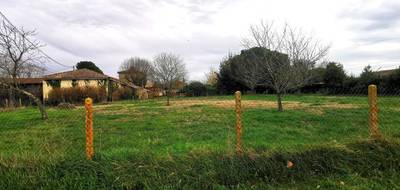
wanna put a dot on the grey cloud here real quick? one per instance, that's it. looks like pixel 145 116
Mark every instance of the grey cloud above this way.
pixel 375 35
pixel 385 16
pixel 363 55
pixel 92 12
pixel 200 11
pixel 107 32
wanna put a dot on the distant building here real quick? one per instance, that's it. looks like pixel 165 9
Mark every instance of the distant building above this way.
pixel 82 78
pixel 385 73
pixel 151 87
pixel 154 90
pixel 142 92
pixel 149 90
pixel 41 87
pixel 123 75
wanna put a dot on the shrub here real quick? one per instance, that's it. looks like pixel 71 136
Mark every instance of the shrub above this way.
pixel 76 95
pixel 123 94
pixel 211 90
pixel 195 88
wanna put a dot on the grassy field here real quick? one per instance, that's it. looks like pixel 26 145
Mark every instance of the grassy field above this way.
pixel 190 145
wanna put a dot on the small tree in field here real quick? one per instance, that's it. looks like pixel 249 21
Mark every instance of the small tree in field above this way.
pixel 168 69
pixel 211 77
pixel 302 51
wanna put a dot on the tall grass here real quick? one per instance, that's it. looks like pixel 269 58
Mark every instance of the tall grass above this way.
pixel 364 160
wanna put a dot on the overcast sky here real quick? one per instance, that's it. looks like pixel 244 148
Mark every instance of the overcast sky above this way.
pixel 361 32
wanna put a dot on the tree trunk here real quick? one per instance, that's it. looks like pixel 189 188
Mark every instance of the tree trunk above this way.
pixel 34 98
pixel 279 99
pixel 252 90
pixel 168 94
pixel 10 97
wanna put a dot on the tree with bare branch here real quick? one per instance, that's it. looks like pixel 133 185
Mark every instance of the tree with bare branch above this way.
pixel 211 77
pixel 137 70
pixel 303 52
pixel 168 70
pixel 20 57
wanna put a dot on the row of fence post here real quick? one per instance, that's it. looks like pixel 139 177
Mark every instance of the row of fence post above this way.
pixel 373 116
pixel 373 120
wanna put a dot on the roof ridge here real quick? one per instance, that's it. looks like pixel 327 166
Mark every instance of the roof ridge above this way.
pixel 72 71
pixel 79 74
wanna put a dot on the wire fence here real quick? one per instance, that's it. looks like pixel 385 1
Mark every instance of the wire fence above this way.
pixel 223 124
pixel 239 137
pixel 129 128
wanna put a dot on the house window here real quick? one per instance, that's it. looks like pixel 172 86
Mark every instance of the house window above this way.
pixel 74 83
pixel 87 83
pixel 54 83
pixel 101 83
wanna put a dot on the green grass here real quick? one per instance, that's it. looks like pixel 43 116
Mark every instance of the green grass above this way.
pixel 146 145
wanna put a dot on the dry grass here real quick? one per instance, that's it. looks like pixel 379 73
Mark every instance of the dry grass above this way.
pixel 105 109
pixel 260 104
pixel 10 109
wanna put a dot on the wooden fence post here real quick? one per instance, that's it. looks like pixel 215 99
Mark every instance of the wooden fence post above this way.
pixel 373 111
pixel 238 110
pixel 89 128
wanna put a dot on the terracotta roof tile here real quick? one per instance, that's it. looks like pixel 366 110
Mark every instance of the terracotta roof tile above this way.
pixel 24 80
pixel 76 74
pixel 30 80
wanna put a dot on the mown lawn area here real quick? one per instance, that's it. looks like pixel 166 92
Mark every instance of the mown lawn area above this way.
pixel 191 145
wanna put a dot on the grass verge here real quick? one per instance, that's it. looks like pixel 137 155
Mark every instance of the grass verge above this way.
pixel 368 164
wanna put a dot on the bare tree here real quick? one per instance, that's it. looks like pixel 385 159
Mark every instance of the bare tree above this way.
pixel 168 69
pixel 303 52
pixel 20 57
pixel 211 77
pixel 137 70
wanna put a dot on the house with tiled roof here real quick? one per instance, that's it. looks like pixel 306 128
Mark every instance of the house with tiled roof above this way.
pixel 82 78
pixel 41 87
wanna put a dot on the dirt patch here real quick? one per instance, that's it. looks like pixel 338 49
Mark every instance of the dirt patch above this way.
pixel 315 111
pixel 396 109
pixel 260 104
pixel 231 103
pixel 335 105
pixel 107 109
pixel 6 109
pixel 196 104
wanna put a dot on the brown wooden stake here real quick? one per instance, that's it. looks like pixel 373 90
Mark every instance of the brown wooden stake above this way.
pixel 89 128
pixel 373 111
pixel 239 149
pixel 20 102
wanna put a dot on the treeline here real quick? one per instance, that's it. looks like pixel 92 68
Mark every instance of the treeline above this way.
pixel 334 80
pixel 326 78
pixel 240 72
